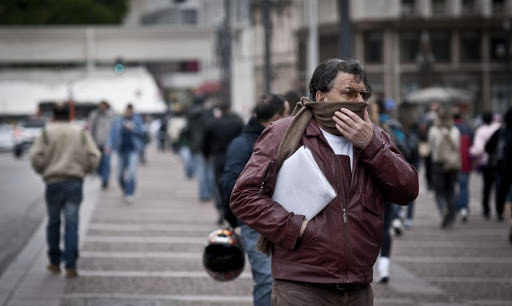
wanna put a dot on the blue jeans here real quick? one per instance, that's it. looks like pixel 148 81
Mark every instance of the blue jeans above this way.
pixel 260 267
pixel 205 176
pixel 63 197
pixel 462 202
pixel 104 167
pixel 188 162
pixel 128 171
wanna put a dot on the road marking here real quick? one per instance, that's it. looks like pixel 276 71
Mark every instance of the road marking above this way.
pixel 452 259
pixel 455 279
pixel 139 239
pixel 188 298
pixel 180 255
pixel 454 244
pixel 152 227
pixel 164 274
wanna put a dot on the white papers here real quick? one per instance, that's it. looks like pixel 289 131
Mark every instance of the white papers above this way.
pixel 301 187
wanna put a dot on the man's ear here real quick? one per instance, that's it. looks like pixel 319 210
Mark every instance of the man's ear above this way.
pixel 319 96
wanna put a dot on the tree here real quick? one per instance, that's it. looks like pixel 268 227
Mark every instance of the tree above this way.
pixel 61 12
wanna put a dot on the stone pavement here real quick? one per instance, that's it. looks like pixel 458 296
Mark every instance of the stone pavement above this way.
pixel 149 253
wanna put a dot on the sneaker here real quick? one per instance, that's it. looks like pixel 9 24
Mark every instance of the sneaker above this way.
pixel 129 199
pixel 408 224
pixel 398 227
pixel 383 277
pixel 71 273
pixel 55 269
pixel 383 269
pixel 104 185
pixel 464 215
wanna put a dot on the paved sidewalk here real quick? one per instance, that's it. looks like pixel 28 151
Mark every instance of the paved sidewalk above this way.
pixel 149 253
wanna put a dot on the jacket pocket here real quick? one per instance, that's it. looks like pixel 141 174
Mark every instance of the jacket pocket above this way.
pixel 373 203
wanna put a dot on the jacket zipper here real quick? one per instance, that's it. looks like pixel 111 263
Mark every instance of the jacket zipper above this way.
pixel 346 223
pixel 265 177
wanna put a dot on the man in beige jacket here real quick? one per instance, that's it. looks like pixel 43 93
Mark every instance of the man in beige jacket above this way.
pixel 63 154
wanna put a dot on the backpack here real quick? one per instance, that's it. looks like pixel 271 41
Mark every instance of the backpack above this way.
pixel 448 154
pixel 495 147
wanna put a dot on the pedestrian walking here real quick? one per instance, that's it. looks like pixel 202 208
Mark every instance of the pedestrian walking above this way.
pixel 444 139
pixel 197 117
pixel 466 140
pixel 328 259
pixel 499 148
pixel 127 138
pixel 424 124
pixel 99 123
pixel 269 108
pixel 63 154
pixel 218 133
pixel 481 159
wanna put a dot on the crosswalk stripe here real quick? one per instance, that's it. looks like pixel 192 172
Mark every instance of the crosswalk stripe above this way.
pixel 156 255
pixel 139 239
pixel 164 274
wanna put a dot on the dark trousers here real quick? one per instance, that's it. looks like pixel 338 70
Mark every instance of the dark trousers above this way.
pixel 291 293
pixel 488 176
pixel 386 236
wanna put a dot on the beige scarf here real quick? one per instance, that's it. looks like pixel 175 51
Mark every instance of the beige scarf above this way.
pixel 303 112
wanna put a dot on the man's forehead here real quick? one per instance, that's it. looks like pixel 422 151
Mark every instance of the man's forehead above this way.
pixel 344 79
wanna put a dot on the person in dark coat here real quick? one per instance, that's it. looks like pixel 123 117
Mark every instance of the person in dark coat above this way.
pixel 269 108
pixel 218 133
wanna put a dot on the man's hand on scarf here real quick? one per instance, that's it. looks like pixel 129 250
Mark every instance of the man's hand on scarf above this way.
pixel 358 131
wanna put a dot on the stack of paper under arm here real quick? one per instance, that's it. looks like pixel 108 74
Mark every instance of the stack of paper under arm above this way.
pixel 301 187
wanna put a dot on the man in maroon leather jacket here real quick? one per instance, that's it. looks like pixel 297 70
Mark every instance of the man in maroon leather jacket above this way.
pixel 328 260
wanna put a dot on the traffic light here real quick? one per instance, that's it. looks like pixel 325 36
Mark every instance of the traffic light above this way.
pixel 119 66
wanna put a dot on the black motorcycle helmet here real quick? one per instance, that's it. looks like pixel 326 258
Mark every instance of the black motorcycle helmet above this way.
pixel 223 256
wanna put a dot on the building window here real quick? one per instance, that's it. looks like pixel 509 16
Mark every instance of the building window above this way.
pixel 438 7
pixel 408 8
pixel 441 46
pixel 189 16
pixel 498 46
pixel 498 7
pixel 468 7
pixel 470 47
pixel 409 46
pixel 373 42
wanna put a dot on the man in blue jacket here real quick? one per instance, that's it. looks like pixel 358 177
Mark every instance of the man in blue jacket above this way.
pixel 127 138
pixel 269 108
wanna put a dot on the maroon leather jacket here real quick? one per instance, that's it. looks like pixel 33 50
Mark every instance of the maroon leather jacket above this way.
pixel 342 242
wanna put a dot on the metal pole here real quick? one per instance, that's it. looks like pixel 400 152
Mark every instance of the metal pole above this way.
pixel 508 33
pixel 313 38
pixel 267 24
pixel 345 38
pixel 226 52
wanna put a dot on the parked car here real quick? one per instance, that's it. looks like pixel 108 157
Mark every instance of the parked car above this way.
pixel 25 133
pixel 6 138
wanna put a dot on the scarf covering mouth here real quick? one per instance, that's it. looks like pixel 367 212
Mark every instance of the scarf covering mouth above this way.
pixel 302 114
pixel 324 111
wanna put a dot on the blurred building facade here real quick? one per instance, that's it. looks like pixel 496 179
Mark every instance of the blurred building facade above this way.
pixel 405 44
pixel 410 44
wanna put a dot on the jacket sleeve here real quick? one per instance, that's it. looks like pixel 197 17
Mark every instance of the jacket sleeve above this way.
pixel 251 197
pixel 37 155
pixel 397 179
